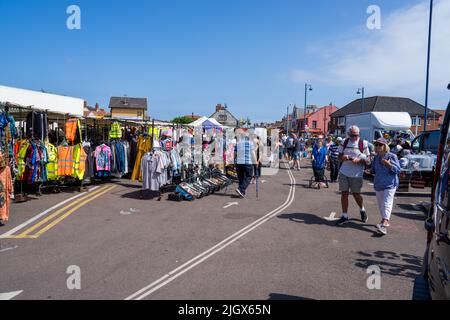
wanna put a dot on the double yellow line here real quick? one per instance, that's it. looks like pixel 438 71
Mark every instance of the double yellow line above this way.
pixel 61 214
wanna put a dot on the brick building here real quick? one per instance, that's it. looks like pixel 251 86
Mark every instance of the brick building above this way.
pixel 317 122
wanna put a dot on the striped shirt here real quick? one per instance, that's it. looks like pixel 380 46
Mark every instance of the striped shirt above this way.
pixel 244 149
pixel 334 152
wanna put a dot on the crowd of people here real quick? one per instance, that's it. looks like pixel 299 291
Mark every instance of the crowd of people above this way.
pixel 347 161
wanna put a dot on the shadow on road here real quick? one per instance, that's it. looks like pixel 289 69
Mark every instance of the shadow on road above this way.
pixel 410 207
pixel 411 216
pixel 308 218
pixel 285 297
pixel 391 263
pixel 141 195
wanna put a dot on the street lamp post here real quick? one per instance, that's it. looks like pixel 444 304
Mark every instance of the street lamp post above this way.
pixel 362 92
pixel 428 66
pixel 307 87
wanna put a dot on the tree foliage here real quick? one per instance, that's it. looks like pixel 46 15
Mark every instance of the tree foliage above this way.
pixel 182 120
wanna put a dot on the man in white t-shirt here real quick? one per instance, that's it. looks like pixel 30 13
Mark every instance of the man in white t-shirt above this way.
pixel 354 154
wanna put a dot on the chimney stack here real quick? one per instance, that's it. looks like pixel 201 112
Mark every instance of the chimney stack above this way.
pixel 97 107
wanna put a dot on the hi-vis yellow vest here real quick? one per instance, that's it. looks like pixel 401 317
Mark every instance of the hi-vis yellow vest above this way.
pixel 52 165
pixel 116 131
pixel 79 162
pixel 21 157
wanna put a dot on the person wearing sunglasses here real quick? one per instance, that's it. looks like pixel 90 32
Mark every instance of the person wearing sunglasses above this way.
pixel 385 168
pixel 354 155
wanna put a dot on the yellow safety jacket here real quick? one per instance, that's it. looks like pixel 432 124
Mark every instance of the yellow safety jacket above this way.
pixel 79 161
pixel 116 131
pixel 155 132
pixel 21 157
pixel 52 165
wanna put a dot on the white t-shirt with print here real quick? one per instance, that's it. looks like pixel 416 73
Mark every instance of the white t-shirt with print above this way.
pixel 348 168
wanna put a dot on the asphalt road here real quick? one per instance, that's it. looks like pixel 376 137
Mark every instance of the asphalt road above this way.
pixel 276 246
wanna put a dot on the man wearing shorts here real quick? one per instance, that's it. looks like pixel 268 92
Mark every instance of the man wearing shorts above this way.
pixel 354 155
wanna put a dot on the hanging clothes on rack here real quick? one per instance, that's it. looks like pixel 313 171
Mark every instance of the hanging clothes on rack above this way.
pixel 8 134
pixel 22 147
pixel 153 171
pixel 36 158
pixel 73 131
pixel 89 171
pixel 133 151
pixel 37 125
pixel 154 132
pixel 126 149
pixel 102 156
pixel 116 131
pixel 52 165
pixel 79 162
pixel 6 189
pixel 144 146
pixel 119 157
pixel 65 161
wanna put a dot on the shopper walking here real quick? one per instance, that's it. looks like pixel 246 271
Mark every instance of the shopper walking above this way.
pixel 320 159
pixel 386 168
pixel 354 155
pixel 280 152
pixel 333 155
pixel 245 159
pixel 290 147
pixel 299 149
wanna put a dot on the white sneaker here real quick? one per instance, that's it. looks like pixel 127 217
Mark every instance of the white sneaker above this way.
pixel 382 229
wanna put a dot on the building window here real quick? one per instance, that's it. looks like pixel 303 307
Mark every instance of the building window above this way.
pixel 341 121
pixel 314 124
pixel 416 121
pixel 223 118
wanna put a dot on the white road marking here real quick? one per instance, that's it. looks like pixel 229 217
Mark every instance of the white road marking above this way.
pixel 331 217
pixel 230 204
pixel 125 213
pixel 172 275
pixel 134 210
pixel 40 215
pixel 9 295
pixel 8 249
pixel 263 181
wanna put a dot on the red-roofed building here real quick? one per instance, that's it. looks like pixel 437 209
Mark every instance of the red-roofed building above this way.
pixel 317 122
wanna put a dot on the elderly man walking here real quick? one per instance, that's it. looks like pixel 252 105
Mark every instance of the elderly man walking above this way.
pixel 354 155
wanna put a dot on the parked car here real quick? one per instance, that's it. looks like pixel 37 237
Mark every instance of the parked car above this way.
pixel 426 142
pixel 437 254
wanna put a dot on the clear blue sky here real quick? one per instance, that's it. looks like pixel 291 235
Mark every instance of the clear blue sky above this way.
pixel 186 55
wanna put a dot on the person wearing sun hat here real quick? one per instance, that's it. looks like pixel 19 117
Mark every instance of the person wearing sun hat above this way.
pixel 385 168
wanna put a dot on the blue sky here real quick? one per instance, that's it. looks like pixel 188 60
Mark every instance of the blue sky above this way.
pixel 255 55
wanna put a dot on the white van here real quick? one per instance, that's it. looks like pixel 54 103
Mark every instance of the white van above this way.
pixel 374 125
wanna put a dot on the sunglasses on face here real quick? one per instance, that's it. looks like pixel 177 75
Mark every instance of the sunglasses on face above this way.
pixel 378 145
pixel 354 135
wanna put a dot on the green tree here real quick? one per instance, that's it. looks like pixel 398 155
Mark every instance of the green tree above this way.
pixel 182 120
